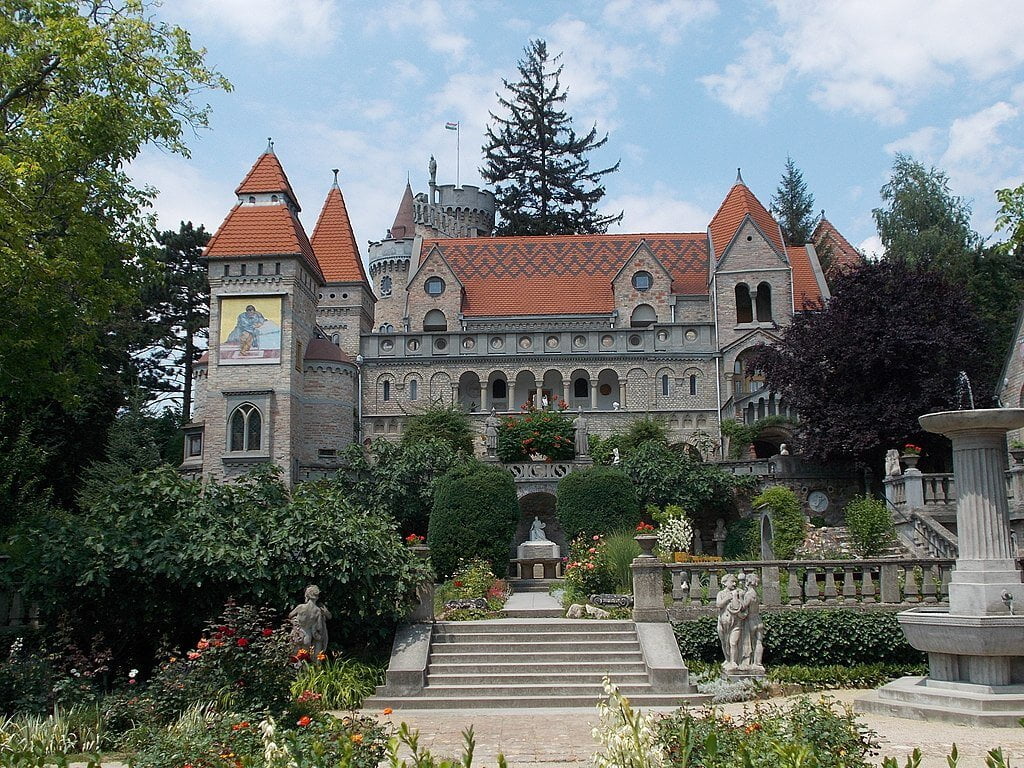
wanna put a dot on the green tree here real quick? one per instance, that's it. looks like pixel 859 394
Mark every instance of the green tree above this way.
pixel 179 303
pixel 922 221
pixel 543 184
pixel 597 500
pixel 1011 219
pixel 793 205
pixel 445 423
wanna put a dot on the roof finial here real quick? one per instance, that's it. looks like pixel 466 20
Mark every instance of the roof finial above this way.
pixel 739 177
pixel 823 213
pixel 270 146
pixel 335 172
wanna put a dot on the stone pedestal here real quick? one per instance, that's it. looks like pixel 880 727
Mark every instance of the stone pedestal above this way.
pixel 537 550
pixel 423 612
pixel 648 589
pixel 975 646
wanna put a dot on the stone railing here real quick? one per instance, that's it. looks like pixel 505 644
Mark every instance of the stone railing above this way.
pixel 540 470
pixel 938 540
pixel 916 490
pixel 811 583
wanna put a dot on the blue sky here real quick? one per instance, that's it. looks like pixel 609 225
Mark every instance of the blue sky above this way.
pixel 688 90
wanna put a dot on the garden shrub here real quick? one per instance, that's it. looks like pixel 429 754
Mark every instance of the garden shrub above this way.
pixel 472 580
pixel 836 676
pixel 743 540
pixel 642 431
pixel 475 515
pixel 811 637
pixel 596 500
pixel 789 526
pixel 336 684
pixel 447 424
pixel 870 525
pixel 548 433
pixel 620 550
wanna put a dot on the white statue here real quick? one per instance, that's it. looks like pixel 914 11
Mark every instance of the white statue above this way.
pixel 616 459
pixel 309 624
pixel 616 405
pixel 491 433
pixel 783 450
pixel 731 614
pixel 892 463
pixel 582 437
pixel 537 530
pixel 753 627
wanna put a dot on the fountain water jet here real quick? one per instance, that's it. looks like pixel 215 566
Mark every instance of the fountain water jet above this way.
pixel 975 646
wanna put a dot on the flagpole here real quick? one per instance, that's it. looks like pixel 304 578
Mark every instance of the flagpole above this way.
pixel 458 153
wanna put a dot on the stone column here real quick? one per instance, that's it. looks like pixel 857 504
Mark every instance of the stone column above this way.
pixel 593 395
pixel 913 488
pixel 565 390
pixel 622 393
pixel 455 393
pixel 484 406
pixel 511 392
pixel 648 589
pixel 538 397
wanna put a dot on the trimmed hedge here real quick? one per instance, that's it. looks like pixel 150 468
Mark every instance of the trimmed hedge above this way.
pixel 812 638
pixel 475 515
pixel 597 500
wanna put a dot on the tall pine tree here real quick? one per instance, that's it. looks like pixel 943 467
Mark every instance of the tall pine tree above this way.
pixel 536 161
pixel 792 205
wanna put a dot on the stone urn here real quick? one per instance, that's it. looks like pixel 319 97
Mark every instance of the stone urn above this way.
pixel 1018 455
pixel 910 459
pixel 647 542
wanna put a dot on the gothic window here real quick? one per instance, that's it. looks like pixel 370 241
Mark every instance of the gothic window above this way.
pixel 435 320
pixel 581 388
pixel 664 384
pixel 387 390
pixel 744 310
pixel 764 303
pixel 385 285
pixel 434 286
pixel 246 428
pixel 643 281
pixel 499 389
pixel 643 316
pixel 414 390
pixel 693 383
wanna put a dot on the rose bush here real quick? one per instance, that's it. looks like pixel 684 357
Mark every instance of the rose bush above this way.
pixel 546 432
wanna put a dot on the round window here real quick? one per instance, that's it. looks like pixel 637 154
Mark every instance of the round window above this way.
pixel 332 295
pixel 605 389
pixel 579 341
pixel 691 335
pixel 413 344
pixel 387 345
pixel 468 343
pixel 552 342
pixel 344 295
pixel 607 341
pixel 440 343
pixel 525 342
pixel 635 340
pixel 643 281
pixel 497 342
pixel 662 335
pixel 434 286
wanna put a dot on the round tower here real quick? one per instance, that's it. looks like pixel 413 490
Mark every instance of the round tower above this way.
pixel 390 260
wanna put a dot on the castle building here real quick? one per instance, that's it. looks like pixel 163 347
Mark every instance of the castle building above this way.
pixel 310 352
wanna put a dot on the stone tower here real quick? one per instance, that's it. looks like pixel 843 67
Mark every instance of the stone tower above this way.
pixel 390 261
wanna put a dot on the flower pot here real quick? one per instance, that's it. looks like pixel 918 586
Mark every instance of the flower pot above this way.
pixel 1018 455
pixel 680 557
pixel 910 459
pixel 647 542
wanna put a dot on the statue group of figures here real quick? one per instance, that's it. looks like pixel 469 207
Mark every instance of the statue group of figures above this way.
pixel 582 437
pixel 740 629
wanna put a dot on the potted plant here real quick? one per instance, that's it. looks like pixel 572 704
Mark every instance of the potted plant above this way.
pixel 646 538
pixel 676 536
pixel 1017 451
pixel 911 455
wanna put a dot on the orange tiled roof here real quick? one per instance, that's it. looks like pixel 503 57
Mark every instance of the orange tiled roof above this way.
pixel 843 254
pixel 739 203
pixel 334 243
pixel 404 225
pixel 267 176
pixel 806 290
pixel 262 230
pixel 562 274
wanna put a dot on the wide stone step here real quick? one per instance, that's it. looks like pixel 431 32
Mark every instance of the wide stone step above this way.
pixel 536 657
pixel 568 636
pixel 533 585
pixel 529 701
pixel 536 646
pixel 549 668
pixel 532 613
pixel 536 680
pixel 532 626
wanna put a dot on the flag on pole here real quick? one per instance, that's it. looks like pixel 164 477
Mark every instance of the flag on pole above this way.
pixel 451 126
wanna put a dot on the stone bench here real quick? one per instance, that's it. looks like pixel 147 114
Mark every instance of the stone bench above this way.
pixel 526 567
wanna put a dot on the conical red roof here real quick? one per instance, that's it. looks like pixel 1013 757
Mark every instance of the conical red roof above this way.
pixel 404 225
pixel 739 203
pixel 266 177
pixel 334 243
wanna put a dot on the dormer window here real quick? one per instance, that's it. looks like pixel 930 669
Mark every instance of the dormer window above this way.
pixel 643 281
pixel 252 199
pixel 434 286
pixel 273 198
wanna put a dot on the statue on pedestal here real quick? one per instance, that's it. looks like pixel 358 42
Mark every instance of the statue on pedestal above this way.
pixel 753 635
pixel 537 530
pixel 719 536
pixel 309 624
pixel 582 437
pixel 892 463
pixel 731 613
pixel 491 433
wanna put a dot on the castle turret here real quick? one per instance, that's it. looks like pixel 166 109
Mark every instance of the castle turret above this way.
pixel 390 261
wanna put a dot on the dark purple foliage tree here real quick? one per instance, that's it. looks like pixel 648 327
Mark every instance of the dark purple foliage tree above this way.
pixel 886 348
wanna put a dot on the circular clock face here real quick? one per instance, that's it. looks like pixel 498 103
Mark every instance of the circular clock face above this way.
pixel 818 501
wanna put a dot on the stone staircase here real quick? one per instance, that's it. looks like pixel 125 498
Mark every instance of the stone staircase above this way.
pixel 514 663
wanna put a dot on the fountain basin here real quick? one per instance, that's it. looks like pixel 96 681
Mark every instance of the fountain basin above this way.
pixel 951 423
pixel 935 630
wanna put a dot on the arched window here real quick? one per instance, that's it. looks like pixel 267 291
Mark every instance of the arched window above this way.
pixel 246 428
pixel 414 387
pixel 643 281
pixel 336 339
pixel 664 384
pixel 435 320
pixel 581 388
pixel 434 286
pixel 252 198
pixel 764 303
pixel 273 198
pixel 385 285
pixel 499 389
pixel 387 390
pixel 744 311
pixel 643 316
pixel 693 383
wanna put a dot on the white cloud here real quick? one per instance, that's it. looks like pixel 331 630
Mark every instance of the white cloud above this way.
pixel 297 24
pixel 872 58
pixel 185 194
pixel 872 247
pixel 408 71
pixel 659 210
pixel 665 19
pixel 436 23
pixel 923 142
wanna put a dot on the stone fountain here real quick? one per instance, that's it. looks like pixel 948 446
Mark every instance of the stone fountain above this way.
pixel 975 646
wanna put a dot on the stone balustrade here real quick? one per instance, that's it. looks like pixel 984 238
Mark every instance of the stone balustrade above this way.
pixel 540 470
pixel 811 583
pixel 934 536
pixel 917 490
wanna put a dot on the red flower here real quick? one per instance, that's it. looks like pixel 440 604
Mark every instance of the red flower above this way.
pixel 229 632
pixel 242 642
pixel 458 583
pixel 268 632
pixel 304 721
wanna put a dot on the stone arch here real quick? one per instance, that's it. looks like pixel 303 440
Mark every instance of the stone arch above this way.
pixel 385 388
pixel 526 389
pixel 638 389
pixel 763 302
pixel 643 315
pixel 552 386
pixel 498 391
pixel 469 391
pixel 539 503
pixel 607 389
pixel 435 320
pixel 744 305
pixel 579 389
pixel 441 387
pixel 664 383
